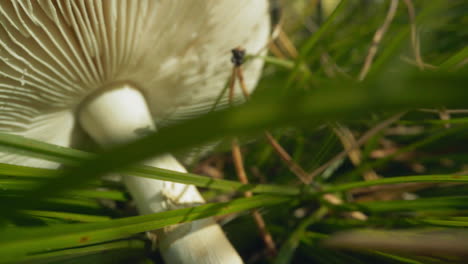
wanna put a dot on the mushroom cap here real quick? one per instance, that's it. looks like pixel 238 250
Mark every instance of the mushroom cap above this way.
pixel 54 54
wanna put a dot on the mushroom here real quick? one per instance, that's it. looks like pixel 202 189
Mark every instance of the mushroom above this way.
pixel 118 69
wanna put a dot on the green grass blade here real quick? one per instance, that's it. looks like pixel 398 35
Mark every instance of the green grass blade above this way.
pixel 397 180
pixel 455 59
pixel 143 171
pixel 438 203
pixel 201 181
pixel 312 41
pixel 417 90
pixel 62 255
pixel 33 148
pixel 446 223
pixel 23 241
pixel 66 216
pixel 12 185
pixel 22 171
pixel 287 250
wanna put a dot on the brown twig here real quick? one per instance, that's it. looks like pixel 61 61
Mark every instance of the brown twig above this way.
pixel 232 83
pixel 238 55
pixel 413 62
pixel 240 170
pixel 240 76
pixel 377 39
pixel 414 35
pixel 276 50
pixel 284 155
pixel 280 151
pixel 287 44
pixel 239 165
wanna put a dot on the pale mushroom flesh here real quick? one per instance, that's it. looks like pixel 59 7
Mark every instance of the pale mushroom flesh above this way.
pixel 54 54
pixel 68 64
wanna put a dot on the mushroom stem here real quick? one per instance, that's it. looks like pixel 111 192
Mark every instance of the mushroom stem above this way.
pixel 120 115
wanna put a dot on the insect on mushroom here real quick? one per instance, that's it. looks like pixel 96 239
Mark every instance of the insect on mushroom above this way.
pixel 114 68
pixel 238 56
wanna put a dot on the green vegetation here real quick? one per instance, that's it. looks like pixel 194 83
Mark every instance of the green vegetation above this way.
pixel 385 134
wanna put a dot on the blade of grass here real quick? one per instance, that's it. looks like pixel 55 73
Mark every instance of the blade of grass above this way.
pixel 455 59
pixel 75 205
pixel 9 185
pixel 22 171
pixel 287 250
pixel 66 216
pixel 16 242
pixel 397 180
pixel 312 41
pixel 23 146
pixel 418 90
pixel 61 255
pixel 153 173
pixel 438 203
pixel 446 223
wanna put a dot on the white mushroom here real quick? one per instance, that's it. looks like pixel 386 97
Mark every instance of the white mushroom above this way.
pixel 118 68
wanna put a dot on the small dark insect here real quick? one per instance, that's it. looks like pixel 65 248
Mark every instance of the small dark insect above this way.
pixel 276 13
pixel 238 55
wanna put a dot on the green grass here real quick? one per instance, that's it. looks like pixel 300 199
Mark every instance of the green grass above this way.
pixel 72 215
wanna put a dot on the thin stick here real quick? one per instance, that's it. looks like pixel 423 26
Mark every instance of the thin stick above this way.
pixel 413 62
pixel 232 82
pixel 237 59
pixel 414 36
pixel 287 44
pixel 240 76
pixel 259 221
pixel 239 165
pixel 377 38
pixel 276 50
pixel 284 155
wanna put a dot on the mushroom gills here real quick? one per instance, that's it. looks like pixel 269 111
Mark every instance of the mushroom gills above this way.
pixel 120 114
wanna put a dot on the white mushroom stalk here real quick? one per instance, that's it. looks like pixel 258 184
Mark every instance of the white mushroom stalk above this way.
pixel 119 115
pixel 118 69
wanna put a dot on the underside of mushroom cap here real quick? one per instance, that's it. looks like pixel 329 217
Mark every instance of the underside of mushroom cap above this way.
pixel 54 54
